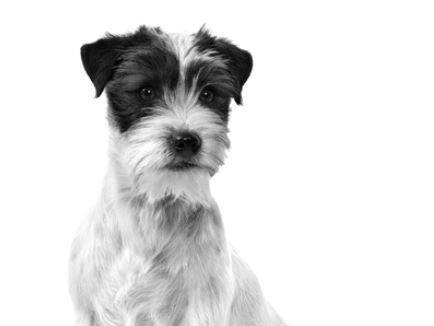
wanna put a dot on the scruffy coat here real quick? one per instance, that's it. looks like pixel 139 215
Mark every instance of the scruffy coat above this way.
pixel 153 252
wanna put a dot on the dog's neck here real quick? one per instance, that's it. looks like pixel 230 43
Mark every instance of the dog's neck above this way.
pixel 173 208
pixel 180 243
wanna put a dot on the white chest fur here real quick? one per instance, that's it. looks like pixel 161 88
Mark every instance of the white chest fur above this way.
pixel 161 263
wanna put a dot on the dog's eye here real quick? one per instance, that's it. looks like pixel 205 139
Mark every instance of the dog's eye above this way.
pixel 147 93
pixel 206 96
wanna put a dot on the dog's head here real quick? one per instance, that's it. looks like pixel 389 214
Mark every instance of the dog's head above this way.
pixel 169 98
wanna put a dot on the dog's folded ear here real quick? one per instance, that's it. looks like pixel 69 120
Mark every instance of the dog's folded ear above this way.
pixel 239 61
pixel 240 64
pixel 100 58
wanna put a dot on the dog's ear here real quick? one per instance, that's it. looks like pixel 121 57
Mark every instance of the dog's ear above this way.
pixel 100 58
pixel 239 61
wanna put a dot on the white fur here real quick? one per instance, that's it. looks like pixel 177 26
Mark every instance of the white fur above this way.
pixel 153 252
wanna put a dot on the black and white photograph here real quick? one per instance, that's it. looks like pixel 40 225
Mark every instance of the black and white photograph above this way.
pixel 231 163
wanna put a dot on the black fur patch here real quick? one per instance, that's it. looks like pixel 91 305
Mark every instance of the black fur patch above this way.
pixel 100 58
pixel 124 65
pixel 155 67
pixel 239 61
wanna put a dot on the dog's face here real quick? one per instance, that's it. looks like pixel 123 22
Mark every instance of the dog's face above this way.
pixel 169 98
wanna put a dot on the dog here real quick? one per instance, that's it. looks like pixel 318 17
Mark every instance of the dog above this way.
pixel 153 252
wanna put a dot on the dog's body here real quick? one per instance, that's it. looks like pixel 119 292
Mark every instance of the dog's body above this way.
pixel 154 250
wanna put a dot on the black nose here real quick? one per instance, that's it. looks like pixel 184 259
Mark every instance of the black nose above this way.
pixel 186 144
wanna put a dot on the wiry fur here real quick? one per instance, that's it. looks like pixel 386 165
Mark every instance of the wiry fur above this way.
pixel 154 252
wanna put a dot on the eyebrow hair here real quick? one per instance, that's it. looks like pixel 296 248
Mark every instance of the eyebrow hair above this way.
pixel 200 73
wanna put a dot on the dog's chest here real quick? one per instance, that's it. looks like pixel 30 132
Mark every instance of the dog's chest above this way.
pixel 174 270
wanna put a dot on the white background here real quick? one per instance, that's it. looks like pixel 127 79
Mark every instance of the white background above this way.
pixel 328 189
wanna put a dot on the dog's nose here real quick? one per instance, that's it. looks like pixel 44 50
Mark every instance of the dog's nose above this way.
pixel 186 144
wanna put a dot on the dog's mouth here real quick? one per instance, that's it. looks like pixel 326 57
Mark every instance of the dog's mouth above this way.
pixel 182 166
